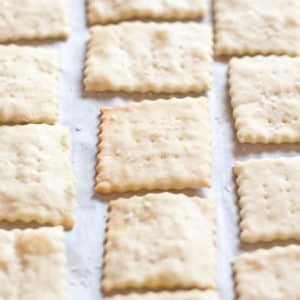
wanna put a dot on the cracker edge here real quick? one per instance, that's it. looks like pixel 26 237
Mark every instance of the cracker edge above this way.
pixel 108 188
pixel 266 237
pixel 242 138
pixel 206 294
pixel 66 221
pixel 168 16
pixel 108 290
pixel 227 51
pixel 54 119
pixel 238 276
pixel 90 86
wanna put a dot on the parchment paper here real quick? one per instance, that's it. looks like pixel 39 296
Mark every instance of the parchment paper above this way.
pixel 80 111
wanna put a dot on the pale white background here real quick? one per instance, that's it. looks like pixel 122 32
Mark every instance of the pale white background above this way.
pixel 80 111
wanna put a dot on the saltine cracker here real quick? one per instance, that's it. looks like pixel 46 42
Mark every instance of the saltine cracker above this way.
pixel 36 181
pixel 269 199
pixel 106 11
pixel 149 57
pixel 33 20
pixel 28 85
pixel 265 97
pixel 244 27
pixel 268 274
pixel 33 264
pixel 160 242
pixel 161 144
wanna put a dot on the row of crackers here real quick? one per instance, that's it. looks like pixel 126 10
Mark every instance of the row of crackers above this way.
pixel 153 154
pixel 36 180
pixel 152 241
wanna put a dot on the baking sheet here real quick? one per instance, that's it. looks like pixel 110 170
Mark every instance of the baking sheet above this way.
pixel 80 111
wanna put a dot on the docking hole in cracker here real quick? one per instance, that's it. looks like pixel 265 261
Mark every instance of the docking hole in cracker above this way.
pixel 160 242
pixel 269 199
pixel 161 144
pixel 106 11
pixel 28 85
pixel 36 182
pixel 33 20
pixel 149 57
pixel 33 264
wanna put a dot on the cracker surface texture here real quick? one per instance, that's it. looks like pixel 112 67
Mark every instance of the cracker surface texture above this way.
pixel 160 241
pixel 33 20
pixel 33 264
pixel 149 57
pixel 175 295
pixel 257 27
pixel 105 11
pixel 28 85
pixel 36 182
pixel 162 144
pixel 265 96
pixel 268 274
pixel 269 199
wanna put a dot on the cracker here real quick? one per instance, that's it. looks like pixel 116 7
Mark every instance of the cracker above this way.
pixel 257 27
pixel 176 295
pixel 28 85
pixel 150 245
pixel 265 96
pixel 33 20
pixel 149 57
pixel 105 11
pixel 268 274
pixel 36 182
pixel 163 144
pixel 33 264
pixel 269 199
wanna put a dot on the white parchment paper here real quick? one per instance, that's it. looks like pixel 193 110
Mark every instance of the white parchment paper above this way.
pixel 80 111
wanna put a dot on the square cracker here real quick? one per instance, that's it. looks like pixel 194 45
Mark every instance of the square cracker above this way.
pixel 265 96
pixel 268 274
pixel 36 182
pixel 163 144
pixel 105 11
pixel 175 295
pixel 33 264
pixel 28 85
pixel 160 241
pixel 269 199
pixel 149 57
pixel 257 27
pixel 33 20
